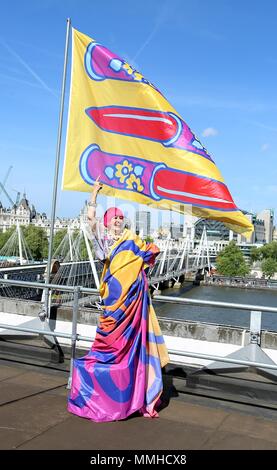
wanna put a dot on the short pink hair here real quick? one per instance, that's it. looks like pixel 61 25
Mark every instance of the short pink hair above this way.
pixel 110 213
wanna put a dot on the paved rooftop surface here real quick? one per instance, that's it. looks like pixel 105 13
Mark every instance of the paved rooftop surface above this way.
pixel 33 415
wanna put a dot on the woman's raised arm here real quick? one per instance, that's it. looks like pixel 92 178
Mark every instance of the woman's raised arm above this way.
pixel 92 203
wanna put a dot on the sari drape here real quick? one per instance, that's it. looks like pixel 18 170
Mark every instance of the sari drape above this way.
pixel 122 372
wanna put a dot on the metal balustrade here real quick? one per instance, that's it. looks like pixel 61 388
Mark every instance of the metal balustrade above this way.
pixel 256 313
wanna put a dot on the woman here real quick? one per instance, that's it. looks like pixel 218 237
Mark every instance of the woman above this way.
pixel 122 372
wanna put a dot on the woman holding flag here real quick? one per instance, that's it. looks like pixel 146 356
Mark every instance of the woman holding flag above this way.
pixel 124 130
pixel 121 374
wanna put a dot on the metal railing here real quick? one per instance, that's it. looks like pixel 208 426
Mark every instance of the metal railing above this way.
pixel 74 336
pixel 214 303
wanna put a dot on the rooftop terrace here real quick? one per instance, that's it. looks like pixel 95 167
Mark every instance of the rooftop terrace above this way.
pixel 33 415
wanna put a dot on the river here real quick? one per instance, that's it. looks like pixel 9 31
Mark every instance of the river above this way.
pixel 219 315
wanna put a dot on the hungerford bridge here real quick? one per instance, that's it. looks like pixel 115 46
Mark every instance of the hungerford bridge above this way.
pixel 74 264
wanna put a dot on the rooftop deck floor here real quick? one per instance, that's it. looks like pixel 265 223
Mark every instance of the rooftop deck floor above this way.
pixel 33 415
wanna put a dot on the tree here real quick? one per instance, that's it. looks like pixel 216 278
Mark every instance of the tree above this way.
pixel 264 252
pixel 80 247
pixel 268 255
pixel 37 241
pixel 230 261
pixel 83 250
pixel 269 267
pixel 255 254
pixel 149 239
pixel 4 236
pixel 58 237
pixel 269 251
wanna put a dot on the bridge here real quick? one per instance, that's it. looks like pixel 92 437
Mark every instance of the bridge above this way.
pixel 176 260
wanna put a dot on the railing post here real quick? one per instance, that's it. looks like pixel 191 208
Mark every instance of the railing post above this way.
pixel 184 249
pixel 163 258
pixel 76 295
pixel 255 327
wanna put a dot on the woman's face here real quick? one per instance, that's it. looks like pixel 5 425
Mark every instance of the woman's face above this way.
pixel 116 223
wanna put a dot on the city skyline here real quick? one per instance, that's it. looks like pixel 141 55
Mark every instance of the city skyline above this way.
pixel 130 208
pixel 141 221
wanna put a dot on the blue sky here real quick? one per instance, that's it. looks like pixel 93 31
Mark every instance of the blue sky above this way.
pixel 215 61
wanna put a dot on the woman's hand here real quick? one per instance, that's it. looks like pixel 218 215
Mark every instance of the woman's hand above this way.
pixel 95 190
pixel 92 204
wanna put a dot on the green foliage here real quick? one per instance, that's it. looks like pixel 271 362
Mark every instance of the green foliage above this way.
pixel 268 255
pixel 269 267
pixel 37 241
pixel 58 237
pixel 83 250
pixel 255 254
pixel 230 261
pixel 269 251
pixel 149 239
pixel 83 254
pixel 4 236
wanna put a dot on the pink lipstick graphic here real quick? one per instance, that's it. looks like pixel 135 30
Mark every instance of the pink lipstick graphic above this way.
pixel 166 128
pixel 155 180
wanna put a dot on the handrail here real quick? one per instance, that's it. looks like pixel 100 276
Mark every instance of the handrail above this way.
pixel 159 298
pixel 25 267
pixel 74 336
pixel 42 285
pixel 170 351
pixel 214 303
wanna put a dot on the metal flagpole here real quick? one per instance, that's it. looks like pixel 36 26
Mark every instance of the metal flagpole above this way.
pixel 56 176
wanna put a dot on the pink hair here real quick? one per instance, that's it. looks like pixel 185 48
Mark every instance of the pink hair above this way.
pixel 110 213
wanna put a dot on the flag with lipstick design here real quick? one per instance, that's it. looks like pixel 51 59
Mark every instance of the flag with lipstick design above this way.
pixel 124 131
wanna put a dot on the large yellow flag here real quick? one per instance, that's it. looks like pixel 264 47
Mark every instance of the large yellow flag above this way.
pixel 122 129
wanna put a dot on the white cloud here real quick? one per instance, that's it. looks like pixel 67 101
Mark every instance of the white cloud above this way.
pixel 209 132
pixel 265 147
pixel 29 69
pixel 161 18
pixel 263 126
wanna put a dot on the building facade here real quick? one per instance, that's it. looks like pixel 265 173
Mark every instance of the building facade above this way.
pixel 215 230
pixel 25 214
pixel 267 216
pixel 143 221
pixel 22 213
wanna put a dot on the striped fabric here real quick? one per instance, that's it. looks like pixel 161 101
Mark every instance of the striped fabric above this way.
pixel 122 372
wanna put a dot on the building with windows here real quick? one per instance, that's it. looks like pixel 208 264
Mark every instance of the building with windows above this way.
pixel 22 213
pixel 176 231
pixel 143 221
pixel 215 230
pixel 25 214
pixel 267 216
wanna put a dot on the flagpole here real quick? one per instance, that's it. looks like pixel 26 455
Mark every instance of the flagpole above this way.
pixel 56 176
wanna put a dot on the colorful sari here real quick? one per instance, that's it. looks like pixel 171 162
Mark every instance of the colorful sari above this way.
pixel 122 373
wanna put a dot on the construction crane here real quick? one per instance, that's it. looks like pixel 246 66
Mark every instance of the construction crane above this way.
pixel 17 196
pixel 2 188
pixel 6 177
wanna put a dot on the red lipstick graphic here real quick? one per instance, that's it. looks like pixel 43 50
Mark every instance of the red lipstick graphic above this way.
pixel 155 180
pixel 166 128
